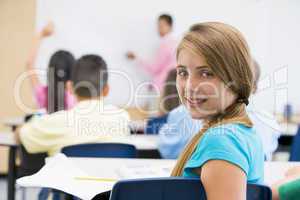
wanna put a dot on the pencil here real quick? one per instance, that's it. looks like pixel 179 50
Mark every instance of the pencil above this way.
pixel 90 178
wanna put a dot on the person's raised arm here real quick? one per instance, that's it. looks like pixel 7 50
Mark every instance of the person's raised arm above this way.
pixel 46 32
pixel 162 58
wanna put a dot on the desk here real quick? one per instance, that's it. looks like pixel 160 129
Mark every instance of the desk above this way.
pixel 143 143
pixel 14 122
pixel 7 139
pixel 288 129
pixel 107 167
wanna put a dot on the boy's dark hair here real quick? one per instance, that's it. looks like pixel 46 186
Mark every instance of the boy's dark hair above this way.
pixel 167 18
pixel 89 76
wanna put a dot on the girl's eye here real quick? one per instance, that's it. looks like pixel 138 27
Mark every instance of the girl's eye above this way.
pixel 206 74
pixel 182 72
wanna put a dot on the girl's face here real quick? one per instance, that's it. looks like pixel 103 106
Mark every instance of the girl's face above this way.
pixel 200 90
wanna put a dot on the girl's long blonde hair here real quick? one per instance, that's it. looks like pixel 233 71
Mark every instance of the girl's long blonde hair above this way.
pixel 227 54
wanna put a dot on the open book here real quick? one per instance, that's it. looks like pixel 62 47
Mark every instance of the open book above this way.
pixel 62 174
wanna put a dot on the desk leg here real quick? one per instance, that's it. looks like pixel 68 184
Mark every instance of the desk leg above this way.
pixel 12 173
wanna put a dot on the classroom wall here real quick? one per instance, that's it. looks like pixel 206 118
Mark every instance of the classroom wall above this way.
pixel 110 30
pixel 17 20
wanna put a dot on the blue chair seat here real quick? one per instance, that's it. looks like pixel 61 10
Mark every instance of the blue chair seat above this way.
pixel 154 124
pixel 295 148
pixel 101 150
pixel 95 150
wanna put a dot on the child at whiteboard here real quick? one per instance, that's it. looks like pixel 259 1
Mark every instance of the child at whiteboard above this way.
pixel 59 71
pixel 165 59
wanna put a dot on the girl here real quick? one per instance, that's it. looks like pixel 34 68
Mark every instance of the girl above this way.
pixel 214 81
pixel 59 72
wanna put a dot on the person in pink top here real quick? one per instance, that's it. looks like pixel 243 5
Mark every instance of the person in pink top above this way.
pixel 59 71
pixel 165 59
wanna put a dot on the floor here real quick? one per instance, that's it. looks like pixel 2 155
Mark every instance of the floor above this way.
pixel 30 194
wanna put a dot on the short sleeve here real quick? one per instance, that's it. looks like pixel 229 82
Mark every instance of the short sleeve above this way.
pixel 220 143
pixel 177 132
pixel 70 100
pixel 33 139
pixel 43 133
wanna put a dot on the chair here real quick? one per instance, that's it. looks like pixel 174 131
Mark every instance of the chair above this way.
pixel 295 148
pixel 101 150
pixel 154 124
pixel 174 188
pixel 257 192
pixel 93 150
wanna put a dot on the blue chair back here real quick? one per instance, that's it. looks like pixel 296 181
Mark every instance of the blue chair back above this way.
pixel 295 148
pixel 158 189
pixel 257 192
pixel 154 124
pixel 174 188
pixel 101 150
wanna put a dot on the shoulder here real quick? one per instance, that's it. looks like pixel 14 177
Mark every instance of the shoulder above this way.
pixel 51 124
pixel 232 133
pixel 180 113
pixel 115 111
pixel 53 119
pixel 227 142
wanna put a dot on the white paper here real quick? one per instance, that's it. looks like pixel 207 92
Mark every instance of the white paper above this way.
pixel 59 173
pixel 143 171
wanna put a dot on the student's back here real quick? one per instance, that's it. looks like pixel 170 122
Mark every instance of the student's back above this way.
pixel 89 121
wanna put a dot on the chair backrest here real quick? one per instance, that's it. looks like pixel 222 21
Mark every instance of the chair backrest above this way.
pixel 158 189
pixel 174 188
pixel 258 192
pixel 101 150
pixel 154 124
pixel 295 148
pixel 30 163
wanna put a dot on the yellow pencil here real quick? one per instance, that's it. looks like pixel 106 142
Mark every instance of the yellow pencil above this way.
pixel 90 178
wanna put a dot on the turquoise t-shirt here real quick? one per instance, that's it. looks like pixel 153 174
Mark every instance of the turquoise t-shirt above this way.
pixel 235 143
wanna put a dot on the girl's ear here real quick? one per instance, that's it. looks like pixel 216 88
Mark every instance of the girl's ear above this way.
pixel 69 87
pixel 105 90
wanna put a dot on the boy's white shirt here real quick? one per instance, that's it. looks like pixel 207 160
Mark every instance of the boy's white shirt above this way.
pixel 88 121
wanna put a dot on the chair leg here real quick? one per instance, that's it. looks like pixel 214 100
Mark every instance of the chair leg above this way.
pixel 44 194
pixel 23 191
pixel 56 195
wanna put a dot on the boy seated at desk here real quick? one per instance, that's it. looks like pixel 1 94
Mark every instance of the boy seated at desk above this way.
pixel 89 121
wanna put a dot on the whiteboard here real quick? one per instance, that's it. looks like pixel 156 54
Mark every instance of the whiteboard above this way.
pixel 111 28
